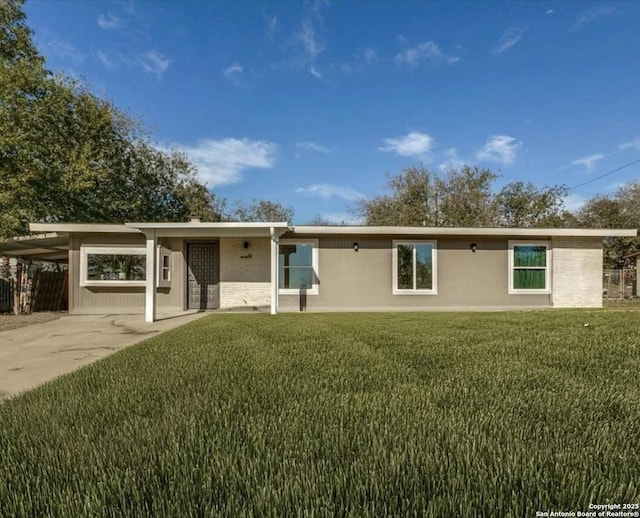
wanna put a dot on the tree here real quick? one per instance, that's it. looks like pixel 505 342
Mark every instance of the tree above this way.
pixel 520 204
pixel 462 198
pixel 66 155
pixel 411 201
pixel 319 220
pixel 620 210
pixel 261 210
pixel 465 198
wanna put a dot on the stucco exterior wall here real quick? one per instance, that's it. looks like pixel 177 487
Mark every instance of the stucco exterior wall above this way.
pixel 120 299
pixel 245 275
pixel 577 272
pixel 363 280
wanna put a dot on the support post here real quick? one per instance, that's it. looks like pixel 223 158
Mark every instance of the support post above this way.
pixel 274 272
pixel 150 285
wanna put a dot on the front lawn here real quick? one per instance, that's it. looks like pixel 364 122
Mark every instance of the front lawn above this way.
pixel 437 414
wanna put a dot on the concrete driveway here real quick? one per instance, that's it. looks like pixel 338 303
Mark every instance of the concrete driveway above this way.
pixel 31 355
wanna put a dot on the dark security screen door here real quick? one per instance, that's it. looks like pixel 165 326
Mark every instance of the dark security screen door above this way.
pixel 202 274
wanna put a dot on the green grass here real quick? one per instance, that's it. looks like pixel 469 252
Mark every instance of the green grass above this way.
pixel 471 414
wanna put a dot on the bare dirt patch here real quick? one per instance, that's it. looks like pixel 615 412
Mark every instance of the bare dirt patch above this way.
pixel 15 321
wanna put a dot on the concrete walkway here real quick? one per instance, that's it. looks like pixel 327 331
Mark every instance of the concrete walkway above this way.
pixel 32 355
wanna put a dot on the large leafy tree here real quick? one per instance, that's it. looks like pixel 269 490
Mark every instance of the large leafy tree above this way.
pixel 619 210
pixel 67 155
pixel 465 198
pixel 411 201
pixel 462 197
pixel 520 204
pixel 261 210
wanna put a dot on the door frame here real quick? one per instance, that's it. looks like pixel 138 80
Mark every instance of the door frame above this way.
pixel 185 254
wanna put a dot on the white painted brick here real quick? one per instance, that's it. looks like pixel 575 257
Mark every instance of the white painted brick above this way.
pixel 577 272
pixel 245 281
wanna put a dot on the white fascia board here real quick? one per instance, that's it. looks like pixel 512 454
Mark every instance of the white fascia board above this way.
pixel 80 227
pixel 456 231
pixel 224 225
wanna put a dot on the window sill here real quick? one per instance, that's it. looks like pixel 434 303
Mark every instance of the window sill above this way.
pixel 313 291
pixel 530 292
pixel 415 292
pixel 115 284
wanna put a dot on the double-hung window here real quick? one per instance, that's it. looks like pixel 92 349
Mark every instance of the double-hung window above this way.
pixel 414 268
pixel 529 267
pixel 298 266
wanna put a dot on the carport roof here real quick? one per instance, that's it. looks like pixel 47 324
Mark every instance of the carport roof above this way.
pixel 52 246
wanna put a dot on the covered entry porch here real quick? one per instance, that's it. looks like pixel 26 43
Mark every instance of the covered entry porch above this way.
pixel 228 263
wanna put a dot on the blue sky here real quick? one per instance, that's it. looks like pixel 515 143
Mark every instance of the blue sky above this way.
pixel 313 103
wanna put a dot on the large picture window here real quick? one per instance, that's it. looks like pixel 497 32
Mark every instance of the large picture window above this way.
pixel 529 266
pixel 113 266
pixel 414 267
pixel 298 266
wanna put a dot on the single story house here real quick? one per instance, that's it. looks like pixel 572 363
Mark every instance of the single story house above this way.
pixel 153 268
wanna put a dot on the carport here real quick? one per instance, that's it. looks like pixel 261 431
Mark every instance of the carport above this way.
pixel 20 282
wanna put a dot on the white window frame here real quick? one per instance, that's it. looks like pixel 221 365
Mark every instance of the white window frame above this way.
pixel 394 266
pixel 85 251
pixel 314 290
pixel 547 268
pixel 160 282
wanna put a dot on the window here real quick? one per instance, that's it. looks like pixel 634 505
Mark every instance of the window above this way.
pixel 414 268
pixel 529 266
pixel 298 266
pixel 164 267
pixel 112 266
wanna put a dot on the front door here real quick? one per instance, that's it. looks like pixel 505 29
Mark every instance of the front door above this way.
pixel 202 272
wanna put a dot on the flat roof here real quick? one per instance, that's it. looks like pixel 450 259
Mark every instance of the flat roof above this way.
pixel 222 224
pixel 467 231
pixel 49 247
pixel 80 227
pixel 263 228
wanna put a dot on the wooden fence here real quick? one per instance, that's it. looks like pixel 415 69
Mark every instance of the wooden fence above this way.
pixel 6 295
pixel 34 289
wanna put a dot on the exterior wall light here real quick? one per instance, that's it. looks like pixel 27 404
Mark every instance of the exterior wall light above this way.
pixel 474 247
pixel 355 247
pixel 246 244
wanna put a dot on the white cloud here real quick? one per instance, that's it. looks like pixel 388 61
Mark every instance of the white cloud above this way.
pixel 510 37
pixel 549 11
pixel 222 162
pixel 413 144
pixel 233 73
pixel 633 144
pixel 315 72
pixel 110 21
pixel 306 35
pixel 499 148
pixel 362 59
pixel 592 14
pixel 369 55
pixel 63 49
pixel 153 62
pixel 271 26
pixel 313 146
pixel 451 159
pixel 589 162
pixel 428 50
pixel 106 60
pixel 326 191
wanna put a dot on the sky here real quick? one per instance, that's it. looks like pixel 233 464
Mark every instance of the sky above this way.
pixel 313 104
